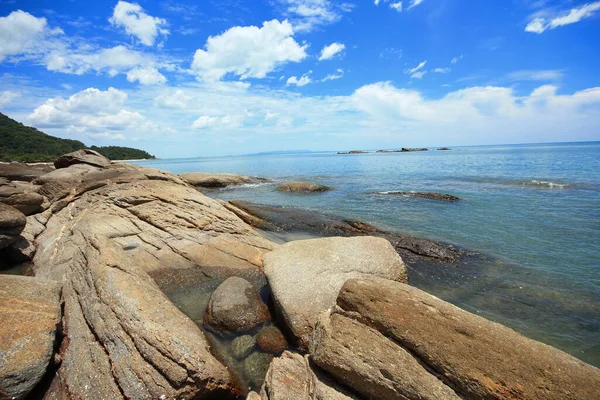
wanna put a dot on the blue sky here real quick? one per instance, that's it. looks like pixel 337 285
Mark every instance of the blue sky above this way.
pixel 185 78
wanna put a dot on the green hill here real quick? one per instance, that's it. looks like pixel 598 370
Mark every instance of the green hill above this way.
pixel 24 143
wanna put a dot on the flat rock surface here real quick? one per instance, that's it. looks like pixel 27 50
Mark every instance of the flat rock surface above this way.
pixel 480 359
pixel 12 223
pixel 306 275
pixel 374 366
pixel 235 306
pixel 84 156
pixel 30 315
pixel 302 187
pixel 292 377
pixel 211 180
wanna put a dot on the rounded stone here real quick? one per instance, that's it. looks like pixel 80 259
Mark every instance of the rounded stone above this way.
pixel 235 306
pixel 271 340
pixel 242 346
pixel 302 187
pixel 12 223
pixel 255 368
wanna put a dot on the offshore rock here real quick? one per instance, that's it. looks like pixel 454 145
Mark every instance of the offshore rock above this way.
pixel 30 315
pixel 12 223
pixel 305 276
pixel 302 187
pixel 425 195
pixel 480 359
pixel 210 180
pixel 84 156
pixel 235 306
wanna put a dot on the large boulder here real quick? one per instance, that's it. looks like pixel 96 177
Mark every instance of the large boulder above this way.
pixel 22 172
pixel 374 366
pixel 235 306
pixel 480 359
pixel 84 156
pixel 306 275
pixel 292 377
pixel 302 187
pixel 12 223
pixel 27 203
pixel 30 315
pixel 63 181
pixel 210 180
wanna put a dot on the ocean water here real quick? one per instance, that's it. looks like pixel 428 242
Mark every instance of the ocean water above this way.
pixel 531 211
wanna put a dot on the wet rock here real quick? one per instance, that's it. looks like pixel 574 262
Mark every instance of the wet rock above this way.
pixel 255 368
pixel 235 306
pixel 210 180
pixel 12 223
pixel 30 315
pixel 242 346
pixel 426 195
pixel 84 156
pixel 21 172
pixel 478 358
pixel 374 366
pixel 302 187
pixel 292 377
pixel 406 149
pixel 271 340
pixel 305 276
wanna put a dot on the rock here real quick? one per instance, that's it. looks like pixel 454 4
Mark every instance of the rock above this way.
pixel 84 156
pixel 30 315
pixel 478 358
pixel 235 306
pixel 374 366
pixel 271 340
pixel 353 152
pixel 12 223
pixel 209 180
pixel 444 148
pixel 242 346
pixel 106 239
pixel 426 195
pixel 302 187
pixel 63 181
pixel 305 276
pixel 27 203
pixel 20 172
pixel 292 377
pixel 253 396
pixel 288 219
pixel 255 368
pixel 405 149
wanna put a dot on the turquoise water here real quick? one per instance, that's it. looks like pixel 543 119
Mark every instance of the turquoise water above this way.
pixel 532 210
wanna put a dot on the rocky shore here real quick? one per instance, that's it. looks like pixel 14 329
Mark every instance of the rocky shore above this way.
pixel 109 244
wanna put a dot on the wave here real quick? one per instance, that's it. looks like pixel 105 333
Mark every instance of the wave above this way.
pixel 547 184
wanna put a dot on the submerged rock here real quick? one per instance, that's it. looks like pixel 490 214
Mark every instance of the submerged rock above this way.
pixel 84 156
pixel 210 180
pixel 12 223
pixel 242 346
pixel 255 368
pixel 271 340
pixel 305 276
pixel 302 187
pixel 235 306
pixel 426 195
pixel 30 315
pixel 353 152
pixel 478 358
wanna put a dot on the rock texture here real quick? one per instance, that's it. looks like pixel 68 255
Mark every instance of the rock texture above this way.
pixel 103 240
pixel 84 156
pixel 291 377
pixel 30 315
pixel 12 223
pixel 302 187
pixel 209 180
pixel 235 306
pixel 478 358
pixel 306 275
pixel 374 366
pixel 22 172
pixel 271 340
pixel 22 196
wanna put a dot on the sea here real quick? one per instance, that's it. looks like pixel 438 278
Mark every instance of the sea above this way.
pixel 530 212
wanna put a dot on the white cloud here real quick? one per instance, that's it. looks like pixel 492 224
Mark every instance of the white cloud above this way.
pixel 136 22
pixel 330 51
pixel 417 68
pixel 456 59
pixel 177 99
pixel 112 60
pixel 21 32
pixel 418 74
pixel 302 81
pixel 541 24
pixel 7 96
pixel 442 70
pixel 396 6
pixel 212 122
pixel 536 75
pixel 339 74
pixel 414 3
pixel 146 76
pixel 308 14
pixel 249 51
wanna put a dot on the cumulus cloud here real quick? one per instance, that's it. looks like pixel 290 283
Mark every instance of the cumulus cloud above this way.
pixel 177 99
pixel 248 51
pixel 146 76
pixel 302 81
pixel 541 24
pixel 21 32
pixel 132 18
pixel 7 96
pixel 113 60
pixel 330 51
pixel 223 122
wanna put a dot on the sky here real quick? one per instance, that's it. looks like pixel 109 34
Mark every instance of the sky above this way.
pixel 183 78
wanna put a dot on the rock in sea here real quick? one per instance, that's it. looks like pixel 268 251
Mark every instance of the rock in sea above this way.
pixel 302 187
